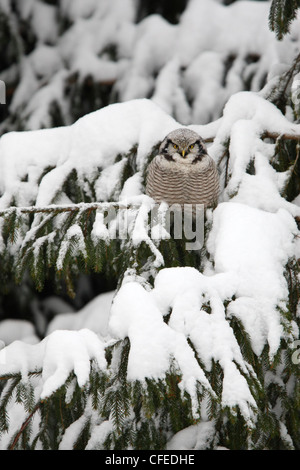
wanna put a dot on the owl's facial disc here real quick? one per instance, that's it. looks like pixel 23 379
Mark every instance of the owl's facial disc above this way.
pixel 193 152
pixel 182 147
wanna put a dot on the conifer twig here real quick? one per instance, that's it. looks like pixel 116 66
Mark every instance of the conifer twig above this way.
pixel 23 427
pixel 67 208
pixel 297 157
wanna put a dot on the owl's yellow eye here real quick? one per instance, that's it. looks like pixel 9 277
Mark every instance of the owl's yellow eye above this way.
pixel 175 146
pixel 192 146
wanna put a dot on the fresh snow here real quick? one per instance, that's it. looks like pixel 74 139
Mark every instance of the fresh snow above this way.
pixel 190 69
pixel 94 316
pixel 13 330
pixel 59 354
pixel 250 242
pixel 253 232
pixel 255 246
pixel 152 342
pixel 196 437
pixel 27 154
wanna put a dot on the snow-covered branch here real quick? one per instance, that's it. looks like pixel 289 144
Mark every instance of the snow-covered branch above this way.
pixel 187 346
pixel 75 208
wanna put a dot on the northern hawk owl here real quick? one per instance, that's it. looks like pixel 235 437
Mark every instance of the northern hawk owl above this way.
pixel 183 172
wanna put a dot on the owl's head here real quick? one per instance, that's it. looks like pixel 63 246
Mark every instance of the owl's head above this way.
pixel 183 146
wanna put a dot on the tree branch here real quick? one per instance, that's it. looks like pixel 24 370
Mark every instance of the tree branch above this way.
pixel 90 206
pixel 275 136
pixel 23 427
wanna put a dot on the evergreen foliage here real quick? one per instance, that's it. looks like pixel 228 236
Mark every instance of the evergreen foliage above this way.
pixel 282 13
pixel 44 64
pixel 59 238
pixel 97 405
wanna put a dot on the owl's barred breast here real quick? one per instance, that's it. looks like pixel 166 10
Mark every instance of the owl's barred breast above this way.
pixel 183 184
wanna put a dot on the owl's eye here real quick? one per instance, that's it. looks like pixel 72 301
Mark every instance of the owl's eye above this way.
pixel 192 146
pixel 175 146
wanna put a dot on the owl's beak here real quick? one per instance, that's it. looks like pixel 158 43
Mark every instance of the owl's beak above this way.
pixel 183 153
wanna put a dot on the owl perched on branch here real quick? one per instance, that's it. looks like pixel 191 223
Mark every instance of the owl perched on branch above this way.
pixel 183 172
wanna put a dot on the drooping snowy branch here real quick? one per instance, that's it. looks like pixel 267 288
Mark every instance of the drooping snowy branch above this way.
pixel 250 243
pixel 190 68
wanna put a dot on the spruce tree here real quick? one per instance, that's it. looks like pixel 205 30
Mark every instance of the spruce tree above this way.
pixel 191 360
pixel 104 401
